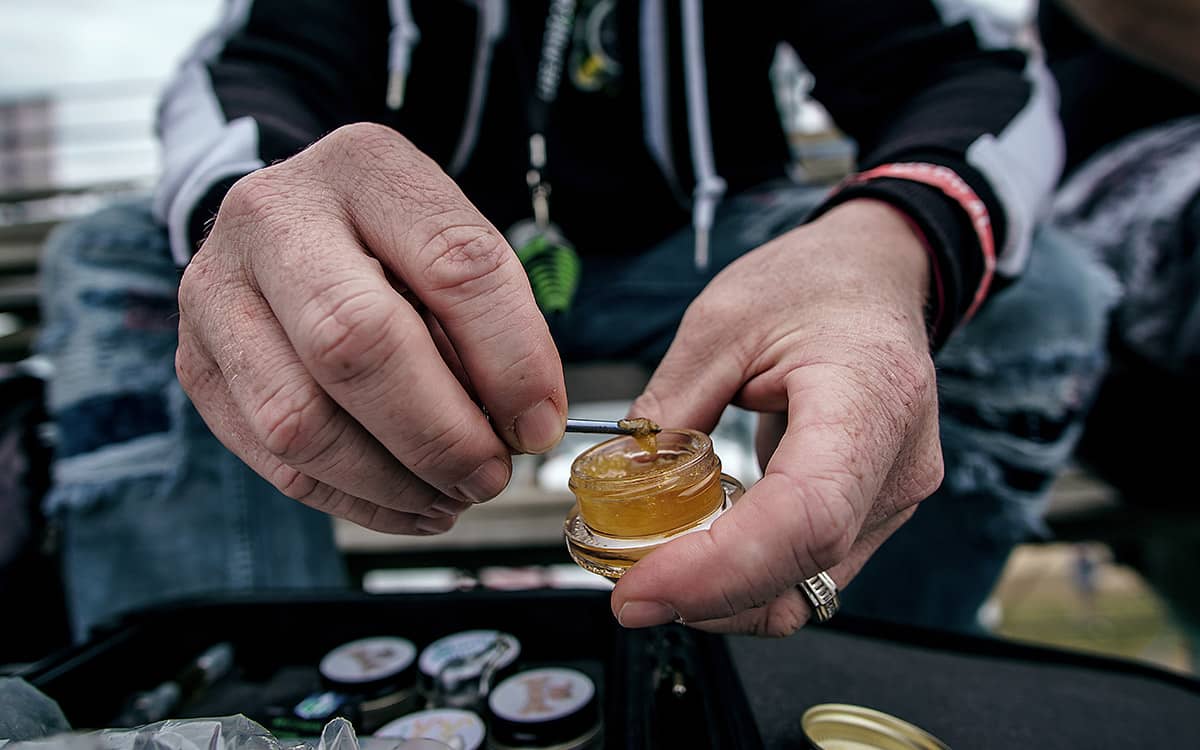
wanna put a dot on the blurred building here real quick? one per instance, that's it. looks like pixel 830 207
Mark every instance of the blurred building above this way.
pixel 26 144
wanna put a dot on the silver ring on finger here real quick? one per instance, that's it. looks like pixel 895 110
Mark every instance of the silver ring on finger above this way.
pixel 822 595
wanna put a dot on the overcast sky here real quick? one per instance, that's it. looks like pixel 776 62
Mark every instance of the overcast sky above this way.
pixel 49 43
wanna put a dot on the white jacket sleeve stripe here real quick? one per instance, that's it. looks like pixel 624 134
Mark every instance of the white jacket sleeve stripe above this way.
pixel 199 145
pixel 1022 164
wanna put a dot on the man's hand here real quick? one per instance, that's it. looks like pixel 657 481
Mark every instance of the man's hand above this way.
pixel 822 330
pixel 338 327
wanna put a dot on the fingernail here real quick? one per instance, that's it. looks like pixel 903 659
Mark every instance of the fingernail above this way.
pixel 540 428
pixel 485 482
pixel 645 614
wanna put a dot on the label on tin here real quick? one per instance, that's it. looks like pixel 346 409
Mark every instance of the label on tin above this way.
pixel 541 695
pixel 464 647
pixel 458 729
pixel 368 660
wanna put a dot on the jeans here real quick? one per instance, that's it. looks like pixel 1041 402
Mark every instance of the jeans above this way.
pixel 1136 207
pixel 152 506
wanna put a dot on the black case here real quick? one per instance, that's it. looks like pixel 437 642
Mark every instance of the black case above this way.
pixel 641 708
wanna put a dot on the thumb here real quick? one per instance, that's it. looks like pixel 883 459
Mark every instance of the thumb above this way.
pixel 799 519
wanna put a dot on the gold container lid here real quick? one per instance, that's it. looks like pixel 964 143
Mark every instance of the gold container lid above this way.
pixel 841 726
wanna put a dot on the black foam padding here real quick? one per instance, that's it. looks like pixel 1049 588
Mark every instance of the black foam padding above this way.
pixel 970 693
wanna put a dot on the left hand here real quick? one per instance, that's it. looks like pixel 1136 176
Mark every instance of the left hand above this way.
pixel 823 330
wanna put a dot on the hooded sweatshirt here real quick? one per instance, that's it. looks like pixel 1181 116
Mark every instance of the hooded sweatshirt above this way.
pixel 953 126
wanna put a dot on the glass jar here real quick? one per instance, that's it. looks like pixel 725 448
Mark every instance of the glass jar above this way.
pixel 630 501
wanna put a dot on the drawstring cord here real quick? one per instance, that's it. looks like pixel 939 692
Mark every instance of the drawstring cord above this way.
pixel 404 37
pixel 710 188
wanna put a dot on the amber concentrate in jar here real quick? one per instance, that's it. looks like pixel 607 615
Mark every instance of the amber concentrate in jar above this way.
pixel 625 491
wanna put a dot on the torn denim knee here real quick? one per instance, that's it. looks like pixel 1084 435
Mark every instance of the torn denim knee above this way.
pixel 1015 384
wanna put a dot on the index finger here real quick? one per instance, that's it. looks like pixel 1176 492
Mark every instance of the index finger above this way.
pixel 462 269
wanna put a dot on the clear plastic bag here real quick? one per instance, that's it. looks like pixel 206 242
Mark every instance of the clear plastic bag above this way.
pixel 223 733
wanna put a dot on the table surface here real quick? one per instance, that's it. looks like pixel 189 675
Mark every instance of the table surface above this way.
pixel 964 695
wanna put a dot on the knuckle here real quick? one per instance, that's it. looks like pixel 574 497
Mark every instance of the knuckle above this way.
pixel 829 549
pixel 904 379
pixel 718 319
pixel 919 472
pixel 706 314
pixel 719 311
pixel 362 157
pixel 435 526
pixel 463 256
pixel 362 141
pixel 346 334
pixel 187 368
pixel 905 515
pixel 256 199
pixel 783 619
pixel 200 284
pixel 196 373
pixel 896 394
pixel 714 308
pixel 289 424
pixel 925 479
pixel 911 374
pixel 188 288
pixel 746 588
pixel 449 442
pixel 298 486
pixel 367 515
pixel 834 529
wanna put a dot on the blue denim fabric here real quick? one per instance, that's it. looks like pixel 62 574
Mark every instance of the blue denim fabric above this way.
pixel 150 505
pixel 664 280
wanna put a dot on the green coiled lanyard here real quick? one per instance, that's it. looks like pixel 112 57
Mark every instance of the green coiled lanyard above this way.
pixel 553 266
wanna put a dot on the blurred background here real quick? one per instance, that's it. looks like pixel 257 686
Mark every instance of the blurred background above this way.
pixel 77 98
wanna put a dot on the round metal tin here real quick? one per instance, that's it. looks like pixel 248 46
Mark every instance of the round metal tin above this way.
pixel 459 729
pixel 446 652
pixel 841 726
pixel 549 708
pixel 370 664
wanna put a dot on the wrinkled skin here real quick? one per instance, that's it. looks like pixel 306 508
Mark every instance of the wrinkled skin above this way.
pixel 357 333
pixel 344 313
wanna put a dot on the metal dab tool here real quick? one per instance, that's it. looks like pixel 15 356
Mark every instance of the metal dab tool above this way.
pixel 620 427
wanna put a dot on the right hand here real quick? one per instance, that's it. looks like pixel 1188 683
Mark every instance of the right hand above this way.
pixel 345 320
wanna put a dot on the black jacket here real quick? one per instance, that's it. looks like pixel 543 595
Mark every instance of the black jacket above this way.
pixel 912 81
